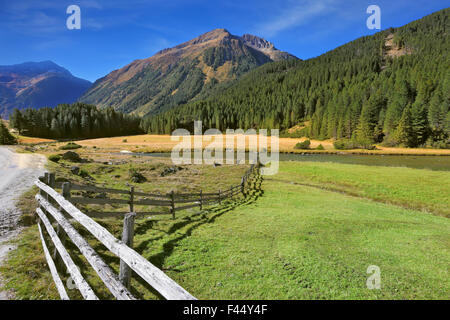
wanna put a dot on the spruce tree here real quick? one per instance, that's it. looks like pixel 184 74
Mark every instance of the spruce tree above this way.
pixel 5 136
pixel 402 134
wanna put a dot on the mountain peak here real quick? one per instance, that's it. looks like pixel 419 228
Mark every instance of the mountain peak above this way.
pixel 257 42
pixel 37 84
pixel 216 33
pixel 182 73
pixel 266 47
pixel 32 68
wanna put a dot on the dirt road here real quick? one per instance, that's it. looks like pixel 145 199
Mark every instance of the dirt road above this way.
pixel 17 174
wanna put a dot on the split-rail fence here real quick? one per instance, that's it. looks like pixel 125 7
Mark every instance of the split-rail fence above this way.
pixel 59 210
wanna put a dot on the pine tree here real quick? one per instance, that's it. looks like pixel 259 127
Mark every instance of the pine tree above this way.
pixel 419 124
pixel 5 136
pixel 16 120
pixel 402 134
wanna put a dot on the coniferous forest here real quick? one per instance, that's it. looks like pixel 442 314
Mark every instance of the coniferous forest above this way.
pixel 391 88
pixel 78 120
pixel 5 136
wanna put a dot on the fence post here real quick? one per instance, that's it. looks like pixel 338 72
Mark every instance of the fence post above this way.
pixel 132 199
pixel 127 238
pixel 66 190
pixel 51 183
pixel 201 200
pixel 220 197
pixel 231 192
pixel 172 197
pixel 51 180
pixel 242 186
pixel 59 230
pixel 43 194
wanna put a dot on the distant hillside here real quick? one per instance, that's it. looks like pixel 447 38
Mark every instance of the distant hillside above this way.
pixel 37 85
pixel 180 74
pixel 392 87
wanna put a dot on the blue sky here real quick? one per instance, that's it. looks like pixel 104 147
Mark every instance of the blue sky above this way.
pixel 115 32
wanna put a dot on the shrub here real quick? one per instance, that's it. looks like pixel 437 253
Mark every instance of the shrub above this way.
pixel 344 144
pixel 54 157
pixel 363 144
pixel 71 156
pixel 320 147
pixel 389 142
pixel 136 176
pixel 441 145
pixel 347 144
pixel 70 146
pixel 84 174
pixel 437 144
pixel 124 140
pixel 303 145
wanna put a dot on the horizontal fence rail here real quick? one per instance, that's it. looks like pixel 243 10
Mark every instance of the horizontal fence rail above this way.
pixel 62 211
pixel 173 201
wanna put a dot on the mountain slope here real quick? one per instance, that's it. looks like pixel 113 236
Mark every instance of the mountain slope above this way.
pixel 37 85
pixel 177 75
pixel 392 87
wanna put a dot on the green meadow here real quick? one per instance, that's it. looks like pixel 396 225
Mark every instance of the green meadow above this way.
pixel 309 232
pixel 301 242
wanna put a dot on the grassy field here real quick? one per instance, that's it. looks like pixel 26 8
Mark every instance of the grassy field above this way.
pixel 27 272
pixel 163 143
pixel 309 233
pixel 300 242
pixel 418 189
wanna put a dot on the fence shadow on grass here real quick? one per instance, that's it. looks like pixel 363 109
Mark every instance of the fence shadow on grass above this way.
pixel 192 223
pixel 99 244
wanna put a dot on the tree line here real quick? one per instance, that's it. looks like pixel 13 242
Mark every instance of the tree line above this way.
pixel 78 120
pixel 358 91
pixel 5 136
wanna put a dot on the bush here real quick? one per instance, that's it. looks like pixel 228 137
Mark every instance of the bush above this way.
pixel 303 145
pixel 344 144
pixel 438 144
pixel 347 144
pixel 124 140
pixel 84 174
pixel 441 145
pixel 363 144
pixel 54 157
pixel 389 142
pixel 71 156
pixel 70 146
pixel 320 147
pixel 136 176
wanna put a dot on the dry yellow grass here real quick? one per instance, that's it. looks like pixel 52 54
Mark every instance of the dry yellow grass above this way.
pixel 32 140
pixel 163 143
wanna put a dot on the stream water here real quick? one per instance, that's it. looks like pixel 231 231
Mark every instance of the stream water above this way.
pixel 438 163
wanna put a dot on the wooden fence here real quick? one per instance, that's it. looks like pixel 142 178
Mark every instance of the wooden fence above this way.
pixel 62 211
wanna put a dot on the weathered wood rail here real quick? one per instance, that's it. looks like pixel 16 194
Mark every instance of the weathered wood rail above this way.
pixel 173 201
pixel 60 210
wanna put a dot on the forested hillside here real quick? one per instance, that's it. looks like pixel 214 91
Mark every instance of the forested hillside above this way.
pixel 392 87
pixel 78 120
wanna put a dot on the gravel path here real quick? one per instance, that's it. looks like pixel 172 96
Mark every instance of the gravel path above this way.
pixel 17 174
